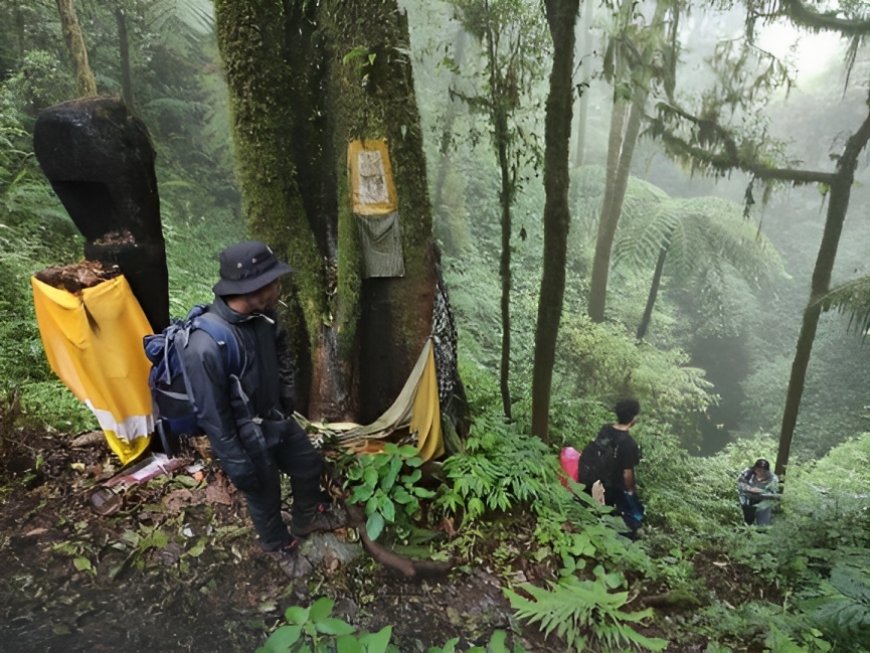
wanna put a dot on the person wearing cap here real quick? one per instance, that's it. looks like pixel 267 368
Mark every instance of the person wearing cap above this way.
pixel 757 487
pixel 248 419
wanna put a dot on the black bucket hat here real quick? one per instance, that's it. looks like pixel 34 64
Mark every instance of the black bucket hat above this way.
pixel 248 266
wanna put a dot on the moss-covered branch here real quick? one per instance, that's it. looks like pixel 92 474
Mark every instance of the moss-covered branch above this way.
pixel 715 149
pixel 803 15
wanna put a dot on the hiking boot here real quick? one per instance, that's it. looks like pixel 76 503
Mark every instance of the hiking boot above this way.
pixel 290 560
pixel 327 517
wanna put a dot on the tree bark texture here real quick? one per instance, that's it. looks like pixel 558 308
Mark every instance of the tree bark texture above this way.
pixel 618 168
pixel 584 37
pixel 506 199
pixel 445 146
pixel 561 16
pixel 653 294
pixel 86 84
pixel 124 55
pixel 305 79
pixel 838 205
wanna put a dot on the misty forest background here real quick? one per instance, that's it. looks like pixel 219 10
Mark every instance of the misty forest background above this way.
pixel 710 363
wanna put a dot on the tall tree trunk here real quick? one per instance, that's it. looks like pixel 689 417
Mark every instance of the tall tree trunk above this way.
pixel 618 169
pixel 561 16
pixel 506 198
pixel 653 294
pixel 445 145
pixel 86 84
pixel 585 39
pixel 124 53
pixel 20 31
pixel 357 338
pixel 838 205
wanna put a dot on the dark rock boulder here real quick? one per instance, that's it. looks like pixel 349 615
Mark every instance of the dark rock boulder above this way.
pixel 100 162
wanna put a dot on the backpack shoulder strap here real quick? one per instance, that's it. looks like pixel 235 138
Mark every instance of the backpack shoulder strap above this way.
pixel 224 335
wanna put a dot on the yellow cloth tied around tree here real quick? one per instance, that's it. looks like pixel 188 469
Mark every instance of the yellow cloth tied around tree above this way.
pixel 93 342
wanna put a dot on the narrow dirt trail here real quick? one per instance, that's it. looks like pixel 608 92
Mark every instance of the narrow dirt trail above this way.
pixel 177 568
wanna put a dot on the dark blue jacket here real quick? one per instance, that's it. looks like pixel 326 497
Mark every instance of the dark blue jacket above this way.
pixel 229 410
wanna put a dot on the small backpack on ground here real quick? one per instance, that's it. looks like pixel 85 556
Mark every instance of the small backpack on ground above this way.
pixel 172 399
pixel 598 462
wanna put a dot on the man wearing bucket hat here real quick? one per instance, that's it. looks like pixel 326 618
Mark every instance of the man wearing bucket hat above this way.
pixel 248 418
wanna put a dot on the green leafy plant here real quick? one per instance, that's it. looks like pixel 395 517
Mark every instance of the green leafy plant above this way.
pixel 387 485
pixel 585 613
pixel 315 630
pixel 843 613
pixel 500 469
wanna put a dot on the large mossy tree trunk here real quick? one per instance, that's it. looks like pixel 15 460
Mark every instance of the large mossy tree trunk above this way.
pixel 561 15
pixel 305 79
pixel 86 83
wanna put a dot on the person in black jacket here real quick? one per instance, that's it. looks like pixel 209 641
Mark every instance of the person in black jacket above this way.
pixel 620 486
pixel 248 418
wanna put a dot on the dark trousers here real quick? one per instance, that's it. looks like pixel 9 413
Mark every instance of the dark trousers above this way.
pixel 295 456
pixel 627 506
pixel 752 515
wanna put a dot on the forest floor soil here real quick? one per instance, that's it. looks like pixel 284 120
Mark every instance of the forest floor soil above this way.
pixel 175 567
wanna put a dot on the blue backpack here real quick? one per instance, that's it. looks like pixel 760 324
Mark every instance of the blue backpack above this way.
pixel 172 399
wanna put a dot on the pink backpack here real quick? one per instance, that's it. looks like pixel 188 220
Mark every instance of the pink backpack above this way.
pixel 569 458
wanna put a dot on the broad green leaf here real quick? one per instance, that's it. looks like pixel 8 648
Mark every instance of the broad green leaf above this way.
pixel 320 609
pixel 83 564
pixel 282 639
pixel 348 644
pixel 333 626
pixel 371 477
pixel 401 496
pixel 413 477
pixel 497 642
pixel 296 614
pixel 388 509
pixel 361 493
pixel 377 642
pixel 374 525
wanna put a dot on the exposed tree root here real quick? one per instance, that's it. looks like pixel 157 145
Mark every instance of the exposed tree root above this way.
pixel 412 569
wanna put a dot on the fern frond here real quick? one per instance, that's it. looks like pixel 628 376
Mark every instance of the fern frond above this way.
pixel 851 298
pixel 583 611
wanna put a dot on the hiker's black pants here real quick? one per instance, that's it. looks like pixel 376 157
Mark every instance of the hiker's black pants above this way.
pixel 295 456
pixel 752 515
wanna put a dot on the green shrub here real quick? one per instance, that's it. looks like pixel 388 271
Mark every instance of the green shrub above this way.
pixel 386 483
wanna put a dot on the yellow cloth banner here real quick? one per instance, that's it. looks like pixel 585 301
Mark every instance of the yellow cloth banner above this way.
pixel 93 342
pixel 417 408
pixel 426 415
pixel 373 191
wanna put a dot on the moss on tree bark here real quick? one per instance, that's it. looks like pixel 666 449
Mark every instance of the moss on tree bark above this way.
pixel 305 79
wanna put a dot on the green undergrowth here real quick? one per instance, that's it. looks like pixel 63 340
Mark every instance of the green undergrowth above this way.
pixel 698 578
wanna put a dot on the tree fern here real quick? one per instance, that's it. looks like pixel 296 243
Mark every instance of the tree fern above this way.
pixel 691 238
pixel 852 298
pixel 844 615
